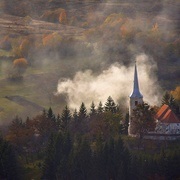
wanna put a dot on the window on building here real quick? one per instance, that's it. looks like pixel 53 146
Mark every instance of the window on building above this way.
pixel 136 103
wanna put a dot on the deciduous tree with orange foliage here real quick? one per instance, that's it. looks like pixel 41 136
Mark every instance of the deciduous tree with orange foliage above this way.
pixel 176 93
pixel 176 96
pixel 63 17
pixel 52 41
pixel 19 67
pixel 26 46
pixel 21 134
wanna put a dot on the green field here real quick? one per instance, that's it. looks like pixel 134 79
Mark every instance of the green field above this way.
pixel 38 86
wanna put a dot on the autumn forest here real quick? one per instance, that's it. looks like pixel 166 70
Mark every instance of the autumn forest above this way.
pixel 66 73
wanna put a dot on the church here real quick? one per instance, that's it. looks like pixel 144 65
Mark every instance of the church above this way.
pixel 167 123
pixel 135 98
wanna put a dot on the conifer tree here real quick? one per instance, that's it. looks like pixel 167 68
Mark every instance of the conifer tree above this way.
pixel 58 120
pixel 65 118
pixel 49 167
pixel 93 109
pixel 75 115
pixel 82 112
pixel 56 164
pixel 110 105
pixel 82 160
pixel 165 99
pixel 51 115
pixel 111 159
pixel 63 156
pixel 169 100
pixel 100 108
pixel 8 162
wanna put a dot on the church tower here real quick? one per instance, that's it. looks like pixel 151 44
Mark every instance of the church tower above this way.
pixel 135 99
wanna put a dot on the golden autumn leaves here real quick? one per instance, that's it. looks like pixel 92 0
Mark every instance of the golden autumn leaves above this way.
pixel 19 67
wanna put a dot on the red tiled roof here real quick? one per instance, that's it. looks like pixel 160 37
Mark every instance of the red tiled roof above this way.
pixel 166 115
pixel 162 111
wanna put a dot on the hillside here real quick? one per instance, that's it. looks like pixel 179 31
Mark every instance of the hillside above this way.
pixel 24 26
pixel 60 38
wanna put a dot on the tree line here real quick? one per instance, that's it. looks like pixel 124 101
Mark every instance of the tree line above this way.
pixel 83 145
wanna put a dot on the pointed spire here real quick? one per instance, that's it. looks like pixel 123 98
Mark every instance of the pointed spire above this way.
pixel 136 93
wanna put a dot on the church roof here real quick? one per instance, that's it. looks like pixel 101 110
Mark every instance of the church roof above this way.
pixel 162 111
pixel 136 93
pixel 166 115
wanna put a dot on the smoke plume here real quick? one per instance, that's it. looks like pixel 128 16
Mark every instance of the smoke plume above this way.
pixel 115 81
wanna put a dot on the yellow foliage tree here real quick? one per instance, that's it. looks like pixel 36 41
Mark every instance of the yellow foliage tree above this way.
pixel 155 27
pixel 123 31
pixel 51 40
pixel 114 20
pixel 26 46
pixel 63 17
pixel 21 63
pixel 176 93
pixel 19 67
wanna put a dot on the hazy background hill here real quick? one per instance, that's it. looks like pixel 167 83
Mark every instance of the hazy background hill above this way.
pixel 60 38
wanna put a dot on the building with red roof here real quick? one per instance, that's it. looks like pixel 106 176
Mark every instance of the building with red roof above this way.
pixel 166 115
pixel 168 125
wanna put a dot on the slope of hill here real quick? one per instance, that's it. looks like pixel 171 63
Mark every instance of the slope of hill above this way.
pixel 64 37
pixel 26 26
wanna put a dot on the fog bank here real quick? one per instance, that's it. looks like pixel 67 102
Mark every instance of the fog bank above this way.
pixel 115 81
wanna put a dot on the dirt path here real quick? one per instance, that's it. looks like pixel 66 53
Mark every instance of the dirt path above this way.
pixel 24 102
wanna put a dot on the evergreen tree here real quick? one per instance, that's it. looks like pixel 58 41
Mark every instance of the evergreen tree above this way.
pixel 82 161
pixel 58 120
pixel 75 115
pixel 110 105
pixel 49 167
pixel 8 162
pixel 56 164
pixel 134 168
pixel 169 100
pixel 166 98
pixel 65 118
pixel 51 115
pixel 122 160
pixel 92 110
pixel 111 159
pixel 82 112
pixel 100 108
pixel 99 160
pixel 63 171
pixel 17 122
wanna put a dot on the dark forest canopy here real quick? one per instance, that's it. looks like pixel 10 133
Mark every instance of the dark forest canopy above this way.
pixel 84 145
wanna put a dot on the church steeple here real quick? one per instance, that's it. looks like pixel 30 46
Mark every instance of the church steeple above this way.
pixel 136 93
pixel 135 98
